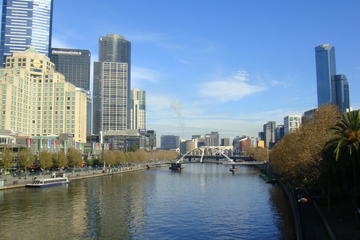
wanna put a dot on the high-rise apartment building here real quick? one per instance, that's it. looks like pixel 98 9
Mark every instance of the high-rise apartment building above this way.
pixel 138 111
pixel 279 132
pixel 269 133
pixel 75 65
pixel 342 92
pixel 37 101
pixel 325 70
pixel 111 92
pixel 111 96
pixel 291 123
pixel 170 142
pixel 25 24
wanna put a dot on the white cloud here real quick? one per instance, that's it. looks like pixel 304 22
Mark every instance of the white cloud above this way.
pixel 58 42
pixel 232 88
pixel 140 75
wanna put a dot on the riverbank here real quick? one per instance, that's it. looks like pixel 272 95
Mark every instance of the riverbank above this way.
pixel 11 182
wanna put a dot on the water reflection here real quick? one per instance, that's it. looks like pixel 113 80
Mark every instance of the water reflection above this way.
pixel 204 201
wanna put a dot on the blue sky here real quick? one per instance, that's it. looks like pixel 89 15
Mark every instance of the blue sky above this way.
pixel 227 65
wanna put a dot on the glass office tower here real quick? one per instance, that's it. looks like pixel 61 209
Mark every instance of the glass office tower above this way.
pixel 325 71
pixel 342 92
pixel 25 24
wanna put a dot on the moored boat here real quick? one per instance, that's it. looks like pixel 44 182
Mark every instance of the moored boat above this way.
pixel 48 182
pixel 176 167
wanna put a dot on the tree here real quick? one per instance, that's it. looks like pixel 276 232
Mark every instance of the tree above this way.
pixel 26 158
pixel 108 157
pixel 345 145
pixel 132 148
pixel 259 154
pixel 74 158
pixel 59 159
pixel 298 155
pixel 45 159
pixel 6 159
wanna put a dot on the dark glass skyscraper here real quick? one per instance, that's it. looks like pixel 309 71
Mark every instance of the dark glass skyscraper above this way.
pixel 25 24
pixel 325 70
pixel 75 65
pixel 342 92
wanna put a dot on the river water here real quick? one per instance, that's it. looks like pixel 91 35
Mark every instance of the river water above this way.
pixel 204 201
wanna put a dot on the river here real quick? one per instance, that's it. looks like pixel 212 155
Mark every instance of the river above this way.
pixel 204 201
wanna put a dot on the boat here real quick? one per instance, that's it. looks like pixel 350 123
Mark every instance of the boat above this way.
pixel 233 169
pixel 176 167
pixel 48 182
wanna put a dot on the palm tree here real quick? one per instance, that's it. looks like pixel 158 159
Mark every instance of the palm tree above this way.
pixel 345 145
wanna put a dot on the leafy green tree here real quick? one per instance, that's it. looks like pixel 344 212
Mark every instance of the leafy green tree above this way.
pixel 345 145
pixel 132 148
pixel 59 159
pixel 45 159
pixel 108 157
pixel 26 158
pixel 74 158
pixel 6 159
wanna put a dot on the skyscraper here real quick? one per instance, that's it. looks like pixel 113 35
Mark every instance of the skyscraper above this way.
pixel 342 92
pixel 325 70
pixel 111 98
pixel 25 24
pixel 75 65
pixel 269 133
pixel 138 112
pixel 331 88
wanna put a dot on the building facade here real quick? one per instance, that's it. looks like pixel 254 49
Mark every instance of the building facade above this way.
pixel 37 101
pixel 225 142
pixel 269 133
pixel 111 91
pixel 212 139
pixel 138 109
pixel 279 132
pixel 26 24
pixel 74 64
pixel 110 96
pixel 292 123
pixel 169 142
pixel 342 92
pixel 325 70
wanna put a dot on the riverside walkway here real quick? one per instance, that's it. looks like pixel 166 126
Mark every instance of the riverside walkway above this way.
pixel 11 182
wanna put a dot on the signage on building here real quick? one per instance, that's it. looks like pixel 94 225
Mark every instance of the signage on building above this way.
pixel 66 52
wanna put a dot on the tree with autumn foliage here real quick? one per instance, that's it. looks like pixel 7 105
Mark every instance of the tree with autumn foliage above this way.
pixel 297 156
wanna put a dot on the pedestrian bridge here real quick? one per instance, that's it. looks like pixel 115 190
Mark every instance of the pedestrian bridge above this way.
pixel 216 154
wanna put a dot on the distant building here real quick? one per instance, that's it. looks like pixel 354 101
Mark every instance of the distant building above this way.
pixel 225 142
pixel 26 24
pixel 261 144
pixel 269 133
pixel 37 100
pixel 241 145
pixel 309 115
pixel 342 92
pixel 170 142
pixel 279 132
pixel 187 146
pixel 151 138
pixel 123 139
pixel 75 65
pixel 195 136
pixel 212 139
pixel 291 123
pixel 138 109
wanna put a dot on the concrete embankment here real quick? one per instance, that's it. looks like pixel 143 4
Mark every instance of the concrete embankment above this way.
pixel 11 182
